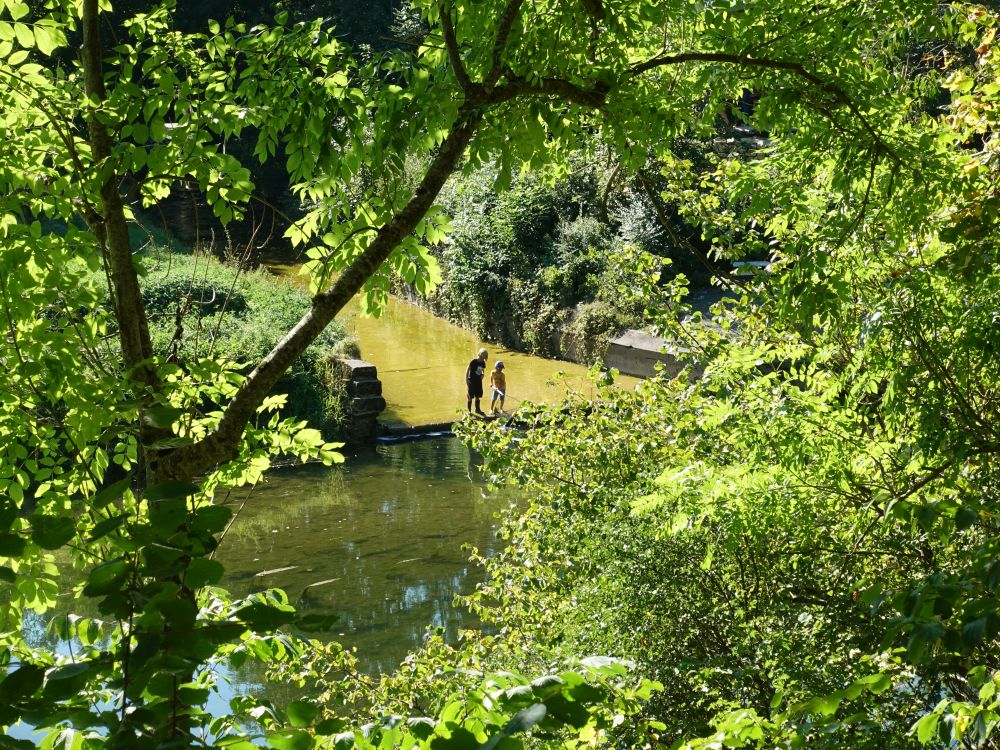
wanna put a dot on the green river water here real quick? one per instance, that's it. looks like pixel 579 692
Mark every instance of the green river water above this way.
pixel 378 542
pixel 421 362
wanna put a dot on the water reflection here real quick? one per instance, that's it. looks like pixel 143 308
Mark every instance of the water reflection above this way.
pixel 378 543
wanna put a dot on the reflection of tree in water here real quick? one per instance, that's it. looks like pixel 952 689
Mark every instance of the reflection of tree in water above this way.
pixel 379 543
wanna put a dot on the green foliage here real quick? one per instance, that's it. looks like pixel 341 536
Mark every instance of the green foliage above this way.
pixel 581 702
pixel 799 545
pixel 802 545
pixel 240 315
pixel 521 262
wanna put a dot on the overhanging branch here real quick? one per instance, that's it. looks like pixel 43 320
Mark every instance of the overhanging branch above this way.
pixel 798 69
pixel 507 19
pixel 222 443
pixel 454 55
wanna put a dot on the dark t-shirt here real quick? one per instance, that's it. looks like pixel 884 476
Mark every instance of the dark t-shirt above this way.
pixel 474 377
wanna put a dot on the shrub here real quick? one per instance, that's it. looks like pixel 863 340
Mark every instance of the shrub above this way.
pixel 592 326
pixel 199 305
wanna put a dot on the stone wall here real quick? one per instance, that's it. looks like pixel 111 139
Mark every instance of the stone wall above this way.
pixel 639 353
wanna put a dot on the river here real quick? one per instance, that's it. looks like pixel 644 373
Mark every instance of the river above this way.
pixel 421 361
pixel 380 541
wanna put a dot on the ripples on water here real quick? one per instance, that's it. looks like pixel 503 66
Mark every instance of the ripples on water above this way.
pixel 377 542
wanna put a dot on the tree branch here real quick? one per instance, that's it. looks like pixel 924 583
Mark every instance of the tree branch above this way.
pixel 507 19
pixel 594 8
pixel 555 87
pixel 454 57
pixel 757 62
pixel 111 228
pixel 222 443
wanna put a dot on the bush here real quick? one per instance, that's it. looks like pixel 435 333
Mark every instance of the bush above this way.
pixel 522 262
pixel 592 326
pixel 198 305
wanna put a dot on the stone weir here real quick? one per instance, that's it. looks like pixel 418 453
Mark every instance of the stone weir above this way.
pixel 363 401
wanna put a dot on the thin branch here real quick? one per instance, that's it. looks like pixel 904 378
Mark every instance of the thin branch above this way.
pixel 507 18
pixel 856 222
pixel 555 87
pixel 757 62
pixel 454 56
pixel 606 193
pixel 661 214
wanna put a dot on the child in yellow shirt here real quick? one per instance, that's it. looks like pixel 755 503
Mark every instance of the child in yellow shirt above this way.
pixel 498 382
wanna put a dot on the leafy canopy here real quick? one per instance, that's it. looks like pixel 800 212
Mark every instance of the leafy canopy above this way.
pixel 112 452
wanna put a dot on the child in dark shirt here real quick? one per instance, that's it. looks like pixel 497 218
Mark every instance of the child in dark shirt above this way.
pixel 474 380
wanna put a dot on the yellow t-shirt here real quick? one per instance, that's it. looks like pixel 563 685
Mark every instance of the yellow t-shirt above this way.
pixel 498 380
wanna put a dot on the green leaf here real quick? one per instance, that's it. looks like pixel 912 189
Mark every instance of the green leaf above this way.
pixel 211 519
pixel 111 492
pixel 421 727
pixel 329 727
pixel 63 682
pixel 203 572
pixel 8 575
pixel 924 637
pixel 264 617
pixel 106 577
pixel 45 40
pixel 522 721
pixel 974 632
pixel 12 545
pixel 926 728
pixel 460 739
pixel 167 515
pixel 170 490
pixel 18 10
pixel 605 665
pixel 22 682
pixel 162 417
pixel 25 36
pixel 291 740
pixel 568 712
pixel 11 743
pixel 302 713
pixel 51 532
pixel 192 695
pixel 105 527
pixel 965 517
